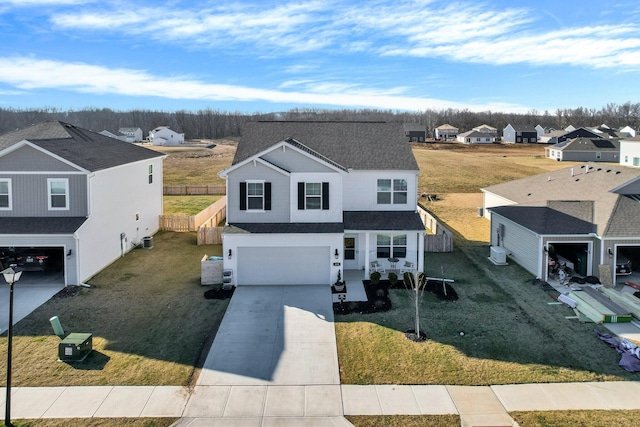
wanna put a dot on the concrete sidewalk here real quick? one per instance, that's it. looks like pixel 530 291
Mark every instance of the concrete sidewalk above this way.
pixel 317 405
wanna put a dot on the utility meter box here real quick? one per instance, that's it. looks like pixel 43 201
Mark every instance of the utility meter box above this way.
pixel 75 347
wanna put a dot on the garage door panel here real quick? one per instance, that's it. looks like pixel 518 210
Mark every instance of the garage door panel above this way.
pixel 283 265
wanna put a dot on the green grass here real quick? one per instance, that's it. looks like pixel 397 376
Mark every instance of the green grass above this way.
pixel 187 205
pixel 150 322
pixel 95 422
pixel 405 420
pixel 511 334
pixel 577 418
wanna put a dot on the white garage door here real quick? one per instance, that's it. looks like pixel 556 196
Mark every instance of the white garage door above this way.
pixel 284 265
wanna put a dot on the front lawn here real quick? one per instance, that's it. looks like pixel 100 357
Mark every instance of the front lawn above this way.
pixel 511 334
pixel 150 321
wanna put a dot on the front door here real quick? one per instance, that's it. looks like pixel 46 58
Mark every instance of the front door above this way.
pixel 350 262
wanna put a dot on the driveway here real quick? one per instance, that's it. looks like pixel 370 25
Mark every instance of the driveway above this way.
pixel 275 335
pixel 30 292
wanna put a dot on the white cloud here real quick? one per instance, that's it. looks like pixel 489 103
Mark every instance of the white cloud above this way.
pixel 461 31
pixel 30 74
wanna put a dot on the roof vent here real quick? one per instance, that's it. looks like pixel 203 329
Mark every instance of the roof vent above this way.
pixel 617 172
pixel 577 179
pixel 608 170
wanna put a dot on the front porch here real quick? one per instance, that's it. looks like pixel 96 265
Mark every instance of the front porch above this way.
pixel 355 287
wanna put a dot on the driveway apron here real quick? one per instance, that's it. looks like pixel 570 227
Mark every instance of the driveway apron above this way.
pixel 275 335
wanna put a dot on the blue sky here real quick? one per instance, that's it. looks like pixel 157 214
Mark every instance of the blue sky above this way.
pixel 263 56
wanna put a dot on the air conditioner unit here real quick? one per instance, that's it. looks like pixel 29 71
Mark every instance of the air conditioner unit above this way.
pixel 498 255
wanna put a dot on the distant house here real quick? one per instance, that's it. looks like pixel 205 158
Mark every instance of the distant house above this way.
pixel 630 152
pixel 163 135
pixel 130 134
pixel 486 129
pixel 125 134
pixel 585 150
pixel 415 132
pixel 551 137
pixel 540 131
pixel 631 131
pixel 570 128
pixel 475 137
pixel 519 134
pixel 582 132
pixel 446 132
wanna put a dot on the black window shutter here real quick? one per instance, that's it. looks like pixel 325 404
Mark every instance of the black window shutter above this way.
pixel 325 196
pixel 301 195
pixel 243 196
pixel 267 196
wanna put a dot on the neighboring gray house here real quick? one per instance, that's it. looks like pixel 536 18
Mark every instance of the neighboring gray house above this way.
pixel 415 132
pixel 308 200
pixel 519 134
pixel 585 150
pixel 80 198
pixel 586 214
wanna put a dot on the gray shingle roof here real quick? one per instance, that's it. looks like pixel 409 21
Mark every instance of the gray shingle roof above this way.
pixel 87 149
pixel 588 144
pixel 382 220
pixel 357 145
pixel 40 225
pixel 543 220
pixel 283 228
pixel 562 185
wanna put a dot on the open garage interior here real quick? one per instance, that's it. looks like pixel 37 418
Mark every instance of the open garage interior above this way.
pixel 574 255
pixel 306 265
pixel 628 264
pixel 40 265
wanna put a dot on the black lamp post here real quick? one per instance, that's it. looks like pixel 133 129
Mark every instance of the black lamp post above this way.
pixel 11 275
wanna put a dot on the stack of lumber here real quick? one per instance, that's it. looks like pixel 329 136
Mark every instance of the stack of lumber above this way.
pixel 624 300
pixel 599 308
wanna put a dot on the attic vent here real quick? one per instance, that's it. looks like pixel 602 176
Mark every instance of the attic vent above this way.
pixel 577 179
pixel 529 194
pixel 608 170
pixel 599 169
pixel 617 172
pixel 582 167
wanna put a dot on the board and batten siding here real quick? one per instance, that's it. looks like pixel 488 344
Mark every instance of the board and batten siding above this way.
pixel 30 197
pixel 521 244
pixel 292 160
pixel 280 193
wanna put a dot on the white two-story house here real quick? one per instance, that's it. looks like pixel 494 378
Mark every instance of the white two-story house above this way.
pixel 309 200
pixel 78 197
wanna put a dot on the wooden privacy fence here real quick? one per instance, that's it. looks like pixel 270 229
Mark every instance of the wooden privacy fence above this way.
pixel 210 235
pixel 442 238
pixel 211 216
pixel 194 190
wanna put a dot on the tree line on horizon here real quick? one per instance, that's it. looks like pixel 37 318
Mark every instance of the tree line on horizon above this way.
pixel 214 124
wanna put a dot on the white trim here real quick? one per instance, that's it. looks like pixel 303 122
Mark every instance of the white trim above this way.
pixel 66 194
pixel 9 194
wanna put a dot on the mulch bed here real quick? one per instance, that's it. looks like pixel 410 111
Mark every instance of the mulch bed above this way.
pixel 378 296
pixel 68 292
pixel 219 293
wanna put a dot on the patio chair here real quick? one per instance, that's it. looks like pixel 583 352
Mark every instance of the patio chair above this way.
pixel 376 266
pixel 407 267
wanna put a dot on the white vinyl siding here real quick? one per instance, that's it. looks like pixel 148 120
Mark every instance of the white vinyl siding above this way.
pixel 5 194
pixel 58 193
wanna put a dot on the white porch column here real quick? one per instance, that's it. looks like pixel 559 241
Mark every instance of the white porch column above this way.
pixel 367 261
pixel 420 263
